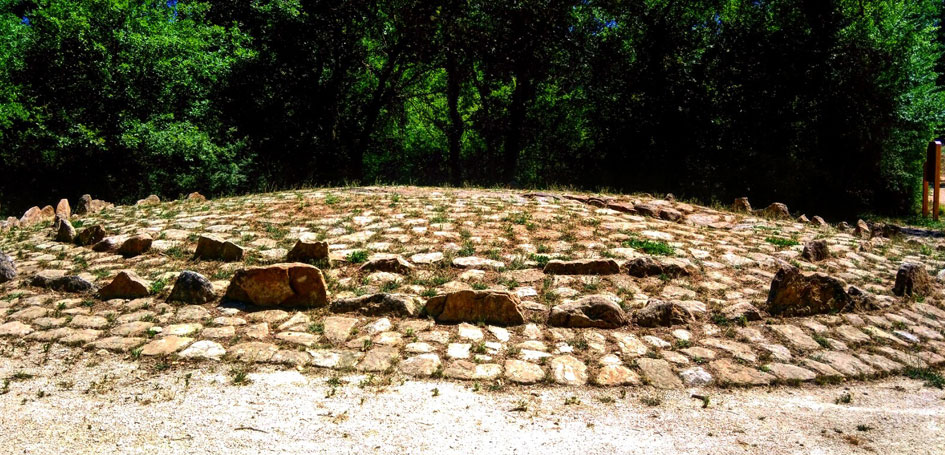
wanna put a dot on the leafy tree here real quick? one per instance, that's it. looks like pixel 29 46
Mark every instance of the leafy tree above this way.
pixel 786 100
pixel 119 100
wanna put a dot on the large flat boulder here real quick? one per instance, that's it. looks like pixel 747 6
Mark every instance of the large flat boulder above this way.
pixel 308 251
pixel 292 284
pixel 658 313
pixel 135 245
pixel 377 305
pixel 583 267
pixel 62 283
pixel 793 293
pixel 673 268
pixel 213 248
pixel 591 311
pixel 491 307
pixel 394 264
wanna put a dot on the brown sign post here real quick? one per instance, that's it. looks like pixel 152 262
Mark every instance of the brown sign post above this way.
pixel 932 174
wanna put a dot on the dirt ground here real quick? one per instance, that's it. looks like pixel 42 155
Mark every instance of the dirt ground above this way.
pixel 56 402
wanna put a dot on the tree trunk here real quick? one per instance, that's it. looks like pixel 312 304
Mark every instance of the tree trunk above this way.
pixel 455 130
pixel 358 140
pixel 513 139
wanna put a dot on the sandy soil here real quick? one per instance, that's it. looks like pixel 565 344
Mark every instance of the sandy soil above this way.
pixel 63 402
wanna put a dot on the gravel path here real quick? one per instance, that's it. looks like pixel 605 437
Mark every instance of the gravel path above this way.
pixel 59 402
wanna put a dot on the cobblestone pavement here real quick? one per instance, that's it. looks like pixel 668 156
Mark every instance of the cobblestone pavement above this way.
pixel 715 268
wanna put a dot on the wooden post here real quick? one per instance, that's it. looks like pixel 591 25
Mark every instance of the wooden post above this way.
pixel 925 185
pixel 937 183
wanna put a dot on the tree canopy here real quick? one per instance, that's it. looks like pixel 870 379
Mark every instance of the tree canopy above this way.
pixel 822 104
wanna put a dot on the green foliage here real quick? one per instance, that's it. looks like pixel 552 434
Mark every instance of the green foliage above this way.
pixel 116 99
pixel 931 377
pixel 823 105
pixel 357 257
pixel 653 247
pixel 781 241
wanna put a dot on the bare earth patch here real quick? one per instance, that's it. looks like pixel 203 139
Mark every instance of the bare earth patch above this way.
pixel 102 404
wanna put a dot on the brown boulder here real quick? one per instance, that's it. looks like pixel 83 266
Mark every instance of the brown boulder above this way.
pixel 645 266
pixel 150 200
pixel 591 311
pixel 658 313
pixel 196 197
pixel 216 249
pixel 135 245
pixel 741 310
pixel 377 305
pixel 192 288
pixel 10 223
pixel 84 207
pixel 90 235
pixel 670 214
pixel 395 264
pixel 818 222
pixel 291 284
pixel 63 209
pixel 862 230
pixel 35 215
pixel 62 283
pixel 306 251
pixel 887 230
pixel 815 250
pixel 912 279
pixel 583 267
pixel 775 210
pixel 621 207
pixel 741 205
pixel 107 245
pixel 647 210
pixel 491 307
pixel 125 285
pixel 65 232
pixel 795 294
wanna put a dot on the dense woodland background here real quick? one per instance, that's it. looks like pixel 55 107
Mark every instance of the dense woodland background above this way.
pixel 826 105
